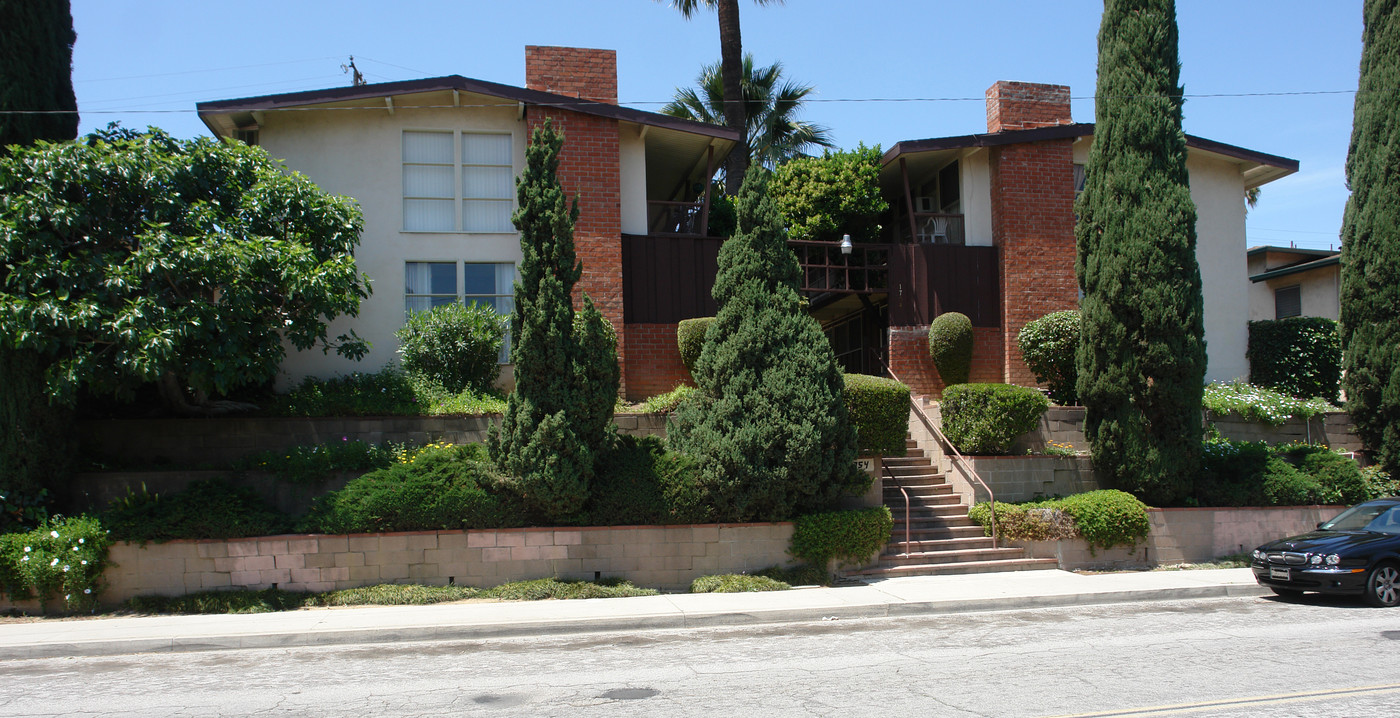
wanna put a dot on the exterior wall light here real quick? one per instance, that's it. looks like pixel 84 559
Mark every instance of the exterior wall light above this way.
pixel 845 244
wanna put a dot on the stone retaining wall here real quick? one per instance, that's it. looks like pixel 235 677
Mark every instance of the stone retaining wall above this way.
pixel 663 557
pixel 1065 424
pixel 194 442
pixel 1189 536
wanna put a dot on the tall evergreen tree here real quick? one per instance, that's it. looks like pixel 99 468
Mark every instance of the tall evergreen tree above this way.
pixel 1371 241
pixel 566 374
pixel 771 432
pixel 1142 353
pixel 36 67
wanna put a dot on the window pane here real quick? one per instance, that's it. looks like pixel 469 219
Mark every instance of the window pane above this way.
pixel 486 183
pixel 505 278
pixel 428 215
pixel 480 279
pixel 428 147
pixel 431 278
pixel 428 181
pixel 486 216
pixel 485 149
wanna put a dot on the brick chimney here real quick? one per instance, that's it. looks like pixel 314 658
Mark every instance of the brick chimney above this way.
pixel 1026 105
pixel 573 71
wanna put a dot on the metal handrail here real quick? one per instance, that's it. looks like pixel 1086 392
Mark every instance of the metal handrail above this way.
pixel 900 486
pixel 966 465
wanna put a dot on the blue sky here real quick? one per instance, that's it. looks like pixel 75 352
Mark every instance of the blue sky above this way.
pixel 885 70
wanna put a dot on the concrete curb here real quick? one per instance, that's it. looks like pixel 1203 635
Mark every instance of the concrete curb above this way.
pixel 650 622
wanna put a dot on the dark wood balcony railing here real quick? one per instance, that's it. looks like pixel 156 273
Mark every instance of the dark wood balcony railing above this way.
pixel 825 269
pixel 686 219
pixel 929 228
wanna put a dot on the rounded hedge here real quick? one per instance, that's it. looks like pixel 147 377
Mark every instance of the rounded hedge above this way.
pixel 690 339
pixel 1048 345
pixel 455 346
pixel 987 418
pixel 1299 356
pixel 950 343
pixel 847 535
pixel 879 409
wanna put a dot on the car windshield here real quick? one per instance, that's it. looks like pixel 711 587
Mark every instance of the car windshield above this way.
pixel 1381 518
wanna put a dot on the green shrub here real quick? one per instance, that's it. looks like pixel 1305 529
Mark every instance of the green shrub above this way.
pixel 879 409
pixel 950 344
pixel 803 574
pixel 987 418
pixel 736 583
pixel 1231 473
pixel 1036 521
pixel 1285 485
pixel 553 588
pixel 844 535
pixel 690 339
pixel 453 487
pixel 822 198
pixel 723 219
pixel 667 403
pixel 62 559
pixel 638 482
pixel 1379 484
pixel 1338 477
pixel 1298 356
pixel 454 345
pixel 208 509
pixel 1048 346
pixel 1260 404
pixel 1108 518
pixel 318 462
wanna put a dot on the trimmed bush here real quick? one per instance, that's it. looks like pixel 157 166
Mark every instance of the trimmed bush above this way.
pixel 455 346
pixel 1104 519
pixel 1047 346
pixel 1231 473
pixel 1035 521
pixel 848 536
pixel 1299 356
pixel 879 409
pixel 736 583
pixel 61 560
pixel 209 509
pixel 982 419
pixel 639 483
pixel 690 339
pixel 668 402
pixel 1285 485
pixel 822 198
pixel 1338 478
pixel 451 488
pixel 950 342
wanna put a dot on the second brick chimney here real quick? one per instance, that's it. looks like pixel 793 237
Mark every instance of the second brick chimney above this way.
pixel 1026 105
pixel 573 71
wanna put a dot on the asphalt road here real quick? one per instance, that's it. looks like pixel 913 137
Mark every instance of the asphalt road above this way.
pixel 1219 657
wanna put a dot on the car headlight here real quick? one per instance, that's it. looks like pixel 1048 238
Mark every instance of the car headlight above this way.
pixel 1315 559
pixel 1333 560
pixel 1258 555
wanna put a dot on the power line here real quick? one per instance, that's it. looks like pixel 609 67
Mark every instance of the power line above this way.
pixel 212 69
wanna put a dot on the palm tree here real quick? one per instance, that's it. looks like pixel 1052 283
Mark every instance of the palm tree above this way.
pixel 771 132
pixel 731 50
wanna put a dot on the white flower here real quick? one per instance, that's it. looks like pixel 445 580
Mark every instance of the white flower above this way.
pixel 87 590
pixel 53 562
pixel 75 549
pixel 84 562
pixel 27 549
pixel 82 540
pixel 53 534
pixel 26 558
pixel 65 568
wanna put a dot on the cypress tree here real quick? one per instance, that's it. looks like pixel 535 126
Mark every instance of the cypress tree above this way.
pixel 36 67
pixel 566 374
pixel 771 432
pixel 1370 291
pixel 1141 354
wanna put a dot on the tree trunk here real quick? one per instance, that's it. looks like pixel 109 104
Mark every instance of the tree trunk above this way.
pixel 732 66
pixel 172 395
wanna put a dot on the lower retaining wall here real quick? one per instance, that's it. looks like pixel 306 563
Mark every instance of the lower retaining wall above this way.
pixel 1189 536
pixel 663 557
pixel 1065 424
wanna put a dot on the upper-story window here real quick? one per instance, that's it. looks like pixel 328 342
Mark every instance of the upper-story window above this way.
pixel 1288 302
pixel 457 182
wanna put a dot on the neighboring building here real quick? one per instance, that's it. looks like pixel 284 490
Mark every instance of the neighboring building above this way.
pixel 432 163
pixel 984 225
pixel 1290 282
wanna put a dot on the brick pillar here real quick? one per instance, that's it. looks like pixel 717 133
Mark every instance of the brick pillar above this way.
pixel 589 169
pixel 1026 105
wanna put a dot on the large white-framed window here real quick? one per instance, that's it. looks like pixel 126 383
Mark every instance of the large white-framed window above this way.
pixel 432 284
pixel 457 181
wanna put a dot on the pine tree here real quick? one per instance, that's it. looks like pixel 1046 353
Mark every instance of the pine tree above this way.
pixel 1370 289
pixel 771 432
pixel 1141 354
pixel 566 374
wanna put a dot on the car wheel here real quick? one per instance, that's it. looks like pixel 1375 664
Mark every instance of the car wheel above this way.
pixel 1289 594
pixel 1383 585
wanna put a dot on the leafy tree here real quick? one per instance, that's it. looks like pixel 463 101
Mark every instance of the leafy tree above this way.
pixel 137 257
pixel 1141 353
pixel 731 48
pixel 771 431
pixel 566 374
pixel 822 198
pixel 772 131
pixel 1371 242
pixel 36 67
pixel 950 344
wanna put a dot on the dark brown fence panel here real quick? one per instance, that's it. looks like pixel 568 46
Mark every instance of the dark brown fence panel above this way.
pixel 667 279
pixel 933 279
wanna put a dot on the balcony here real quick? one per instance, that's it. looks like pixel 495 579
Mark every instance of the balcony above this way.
pixel 826 270
pixel 677 219
pixel 927 228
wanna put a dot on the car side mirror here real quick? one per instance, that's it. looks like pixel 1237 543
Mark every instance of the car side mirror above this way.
pixel 1321 524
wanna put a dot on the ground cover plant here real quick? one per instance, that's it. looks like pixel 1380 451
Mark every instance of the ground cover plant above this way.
pixel 318 462
pixel 1261 404
pixel 61 561
pixel 736 583
pixel 1252 473
pixel 208 509
pixel 1104 519
pixel 388 392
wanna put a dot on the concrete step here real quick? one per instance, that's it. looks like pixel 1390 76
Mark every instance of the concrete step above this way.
pixel 939 533
pixel 901 472
pixel 898 461
pixel 954 556
pixel 896 544
pixel 936 512
pixel 952 569
pixel 895 500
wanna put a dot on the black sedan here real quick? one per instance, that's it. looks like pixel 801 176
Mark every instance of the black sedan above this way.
pixel 1356 553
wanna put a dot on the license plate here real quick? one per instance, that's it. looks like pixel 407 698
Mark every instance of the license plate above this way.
pixel 1278 574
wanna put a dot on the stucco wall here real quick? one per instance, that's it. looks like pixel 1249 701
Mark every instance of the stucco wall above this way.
pixel 975 196
pixel 1319 293
pixel 1217 188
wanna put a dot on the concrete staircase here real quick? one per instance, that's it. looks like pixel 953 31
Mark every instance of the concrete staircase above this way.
pixel 943 540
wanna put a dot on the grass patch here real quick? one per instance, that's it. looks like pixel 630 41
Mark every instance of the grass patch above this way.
pixel 736 583
pixel 385 393
pixel 1234 560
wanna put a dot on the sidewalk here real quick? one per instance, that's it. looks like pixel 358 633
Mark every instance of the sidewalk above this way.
pixel 911 596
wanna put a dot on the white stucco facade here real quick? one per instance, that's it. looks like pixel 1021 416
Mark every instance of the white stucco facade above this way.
pixel 1217 188
pixel 975 176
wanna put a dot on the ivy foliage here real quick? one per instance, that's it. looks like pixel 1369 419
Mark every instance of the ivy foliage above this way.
pixel 770 431
pixel 822 198
pixel 1299 356
pixel 1370 289
pixel 1047 346
pixel 1142 353
pixel 130 256
pixel 566 373
pixel 950 345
